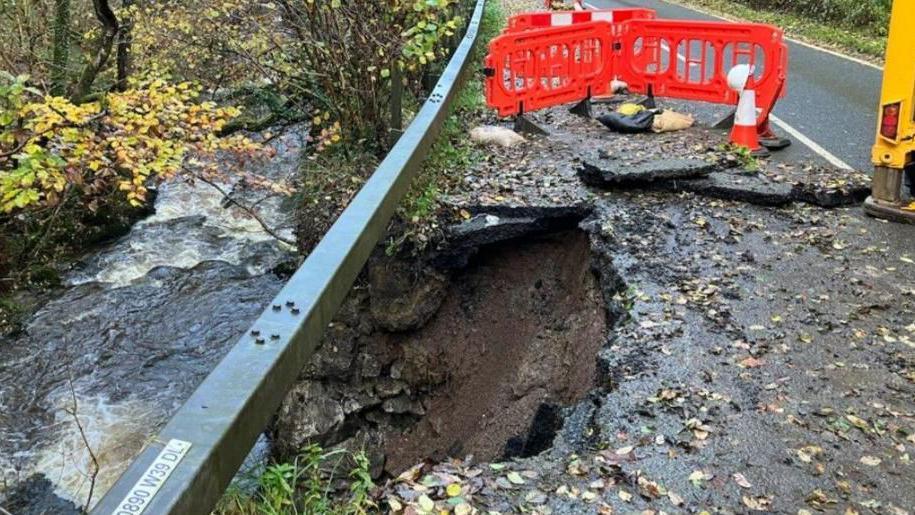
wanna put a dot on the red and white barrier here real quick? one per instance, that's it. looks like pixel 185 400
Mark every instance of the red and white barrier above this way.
pixel 540 20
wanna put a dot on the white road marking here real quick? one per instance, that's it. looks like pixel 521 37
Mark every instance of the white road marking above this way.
pixel 809 143
pixel 796 134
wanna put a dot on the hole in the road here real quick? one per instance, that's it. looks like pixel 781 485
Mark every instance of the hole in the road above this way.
pixel 481 363
pixel 515 339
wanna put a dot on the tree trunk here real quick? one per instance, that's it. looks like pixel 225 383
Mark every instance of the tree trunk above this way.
pixel 125 39
pixel 61 52
pixel 109 23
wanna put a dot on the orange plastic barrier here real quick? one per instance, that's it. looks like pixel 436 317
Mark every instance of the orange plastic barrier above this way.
pixel 547 59
pixel 539 20
pixel 691 60
pixel 538 68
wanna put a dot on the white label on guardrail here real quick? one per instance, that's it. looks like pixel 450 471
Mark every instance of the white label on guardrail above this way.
pixel 143 491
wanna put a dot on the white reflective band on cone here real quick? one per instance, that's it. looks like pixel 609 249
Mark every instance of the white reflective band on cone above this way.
pixel 560 19
pixel 746 109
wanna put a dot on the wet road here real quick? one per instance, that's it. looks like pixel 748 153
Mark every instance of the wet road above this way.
pixel 831 99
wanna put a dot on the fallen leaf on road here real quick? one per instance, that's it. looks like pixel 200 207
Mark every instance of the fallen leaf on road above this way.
pixel 870 461
pixel 650 489
pixel 858 422
pixel 741 480
pixel 806 454
pixel 698 477
pixel 426 503
pixel 750 362
pixel 757 503
pixel 515 478
pixel 675 499
pixel 622 451
pixel 625 496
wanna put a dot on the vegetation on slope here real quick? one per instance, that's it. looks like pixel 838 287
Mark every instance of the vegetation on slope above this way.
pixel 856 26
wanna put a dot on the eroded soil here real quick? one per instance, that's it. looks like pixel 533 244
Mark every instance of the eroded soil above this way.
pixel 518 329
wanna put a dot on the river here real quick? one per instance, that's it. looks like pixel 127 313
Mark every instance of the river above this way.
pixel 137 327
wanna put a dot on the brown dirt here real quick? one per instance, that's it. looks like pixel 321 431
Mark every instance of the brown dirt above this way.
pixel 519 328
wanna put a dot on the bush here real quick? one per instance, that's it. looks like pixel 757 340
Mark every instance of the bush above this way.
pixel 870 15
pixel 330 59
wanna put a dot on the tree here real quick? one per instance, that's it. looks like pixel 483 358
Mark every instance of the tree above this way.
pixel 61 53
pixel 97 63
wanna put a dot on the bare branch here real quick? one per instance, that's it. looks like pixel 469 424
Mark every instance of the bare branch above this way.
pixel 93 474
pixel 247 209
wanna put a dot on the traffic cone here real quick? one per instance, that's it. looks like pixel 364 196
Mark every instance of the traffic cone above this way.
pixel 744 132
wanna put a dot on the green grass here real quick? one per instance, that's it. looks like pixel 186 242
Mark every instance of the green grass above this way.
pixel 865 41
pixel 307 486
pixel 452 152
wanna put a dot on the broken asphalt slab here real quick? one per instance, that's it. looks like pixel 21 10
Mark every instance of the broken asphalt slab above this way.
pixel 611 171
pixel 716 180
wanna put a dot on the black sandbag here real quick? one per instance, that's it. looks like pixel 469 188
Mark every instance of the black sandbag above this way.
pixel 639 122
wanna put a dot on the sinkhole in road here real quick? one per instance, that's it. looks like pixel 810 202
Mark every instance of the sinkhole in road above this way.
pixel 516 336
pixel 512 339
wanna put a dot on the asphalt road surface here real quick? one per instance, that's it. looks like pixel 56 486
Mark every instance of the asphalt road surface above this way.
pixel 830 111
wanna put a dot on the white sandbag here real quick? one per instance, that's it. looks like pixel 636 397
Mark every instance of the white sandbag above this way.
pixel 494 135
pixel 667 121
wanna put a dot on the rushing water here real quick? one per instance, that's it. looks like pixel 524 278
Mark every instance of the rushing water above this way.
pixel 139 326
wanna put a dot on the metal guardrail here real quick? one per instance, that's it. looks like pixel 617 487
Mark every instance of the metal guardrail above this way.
pixel 188 466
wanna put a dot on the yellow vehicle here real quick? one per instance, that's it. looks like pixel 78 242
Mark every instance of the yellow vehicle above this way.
pixel 893 193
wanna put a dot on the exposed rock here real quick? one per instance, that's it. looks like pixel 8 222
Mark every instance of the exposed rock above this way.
pixel 389 388
pixel 334 357
pixel 369 441
pixel 403 405
pixel 36 495
pixel 308 414
pixel 403 296
pixel 369 366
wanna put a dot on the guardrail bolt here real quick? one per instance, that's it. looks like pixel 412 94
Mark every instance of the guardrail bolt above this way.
pixel 277 307
pixel 274 337
pixel 260 341
pixel 295 311
pixel 289 303
pixel 255 332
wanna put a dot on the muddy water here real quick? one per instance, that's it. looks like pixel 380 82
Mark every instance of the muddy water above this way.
pixel 139 326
